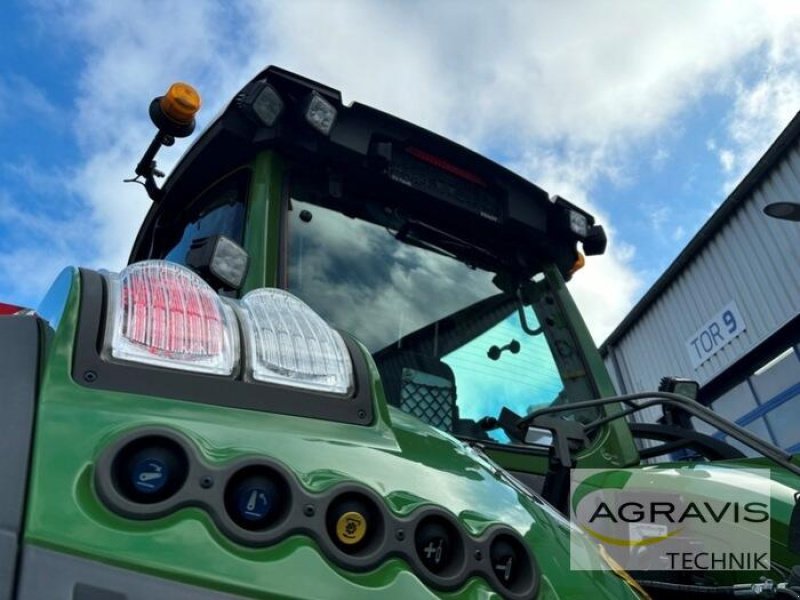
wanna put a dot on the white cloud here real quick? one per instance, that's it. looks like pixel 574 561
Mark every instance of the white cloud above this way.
pixel 660 157
pixel 761 110
pixel 606 287
pixel 658 217
pixel 19 96
pixel 766 97
pixel 565 92
pixel 531 77
pixel 727 160
pixel 32 255
pixel 594 72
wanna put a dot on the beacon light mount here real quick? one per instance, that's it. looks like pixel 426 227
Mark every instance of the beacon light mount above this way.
pixel 173 114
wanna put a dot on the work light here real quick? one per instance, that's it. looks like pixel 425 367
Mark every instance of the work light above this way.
pixel 268 105
pixel 320 113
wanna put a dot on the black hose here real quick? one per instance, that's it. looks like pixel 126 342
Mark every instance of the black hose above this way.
pixel 681 587
pixel 708 589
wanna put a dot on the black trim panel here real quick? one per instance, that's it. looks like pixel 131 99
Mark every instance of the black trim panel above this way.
pixel 51 575
pixel 92 371
pixel 381 156
pixel 19 372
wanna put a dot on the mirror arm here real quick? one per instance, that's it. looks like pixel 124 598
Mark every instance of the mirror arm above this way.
pixel 147 165
pixel 151 187
pixel 766 449
pixel 567 436
pixel 507 421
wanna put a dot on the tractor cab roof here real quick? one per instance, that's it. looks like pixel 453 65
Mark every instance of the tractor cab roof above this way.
pixel 438 183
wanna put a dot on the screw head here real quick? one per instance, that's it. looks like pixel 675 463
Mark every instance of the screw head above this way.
pixel 206 482
pixel 400 535
pixel 362 414
pixel 308 510
pixel 478 555
pixel 89 376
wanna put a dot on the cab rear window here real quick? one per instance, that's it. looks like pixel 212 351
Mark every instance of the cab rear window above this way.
pixel 220 210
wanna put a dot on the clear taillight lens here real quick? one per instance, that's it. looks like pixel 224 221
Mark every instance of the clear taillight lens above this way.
pixel 290 344
pixel 164 314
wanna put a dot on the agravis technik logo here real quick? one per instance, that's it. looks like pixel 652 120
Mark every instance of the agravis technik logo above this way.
pixel 702 518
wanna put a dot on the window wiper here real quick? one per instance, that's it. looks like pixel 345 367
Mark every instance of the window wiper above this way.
pixel 404 235
pixel 427 237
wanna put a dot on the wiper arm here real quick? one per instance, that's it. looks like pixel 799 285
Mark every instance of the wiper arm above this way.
pixel 404 235
pixel 414 232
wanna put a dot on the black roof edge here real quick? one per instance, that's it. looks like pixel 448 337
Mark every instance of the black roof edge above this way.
pixel 772 156
pixel 299 86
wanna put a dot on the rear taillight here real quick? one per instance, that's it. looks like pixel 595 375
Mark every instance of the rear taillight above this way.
pixel 163 314
pixel 9 309
pixel 290 344
pixel 445 165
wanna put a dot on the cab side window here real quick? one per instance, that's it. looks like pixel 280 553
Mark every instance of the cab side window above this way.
pixel 220 210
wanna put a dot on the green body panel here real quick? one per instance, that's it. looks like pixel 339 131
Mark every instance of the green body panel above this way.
pixel 614 446
pixel 783 486
pixel 262 225
pixel 407 463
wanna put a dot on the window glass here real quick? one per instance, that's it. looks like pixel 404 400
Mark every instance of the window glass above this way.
pixel 758 427
pixel 360 278
pixel 783 419
pixel 527 379
pixel 736 403
pixel 448 342
pixel 218 211
pixel 778 384
pixel 777 377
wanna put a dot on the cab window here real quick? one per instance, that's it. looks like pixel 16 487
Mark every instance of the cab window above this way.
pixel 448 342
pixel 220 210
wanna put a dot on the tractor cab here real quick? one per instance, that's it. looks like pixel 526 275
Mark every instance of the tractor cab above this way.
pixel 447 267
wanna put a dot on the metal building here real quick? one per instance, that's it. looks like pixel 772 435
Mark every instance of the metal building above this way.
pixel 727 311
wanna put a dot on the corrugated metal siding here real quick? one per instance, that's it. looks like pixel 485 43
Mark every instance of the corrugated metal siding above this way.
pixel 753 260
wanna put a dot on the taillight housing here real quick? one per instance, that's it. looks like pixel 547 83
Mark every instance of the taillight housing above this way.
pixel 163 314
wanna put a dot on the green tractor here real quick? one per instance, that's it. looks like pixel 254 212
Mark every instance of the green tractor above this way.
pixel 342 362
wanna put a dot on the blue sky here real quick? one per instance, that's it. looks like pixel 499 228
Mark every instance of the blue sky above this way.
pixel 646 113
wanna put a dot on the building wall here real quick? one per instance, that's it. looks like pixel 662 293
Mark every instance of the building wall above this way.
pixel 751 263
pixel 766 402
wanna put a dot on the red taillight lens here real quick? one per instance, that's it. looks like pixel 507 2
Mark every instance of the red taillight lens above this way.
pixel 9 309
pixel 445 165
pixel 164 314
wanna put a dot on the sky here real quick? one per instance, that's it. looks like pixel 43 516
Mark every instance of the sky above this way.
pixel 645 113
